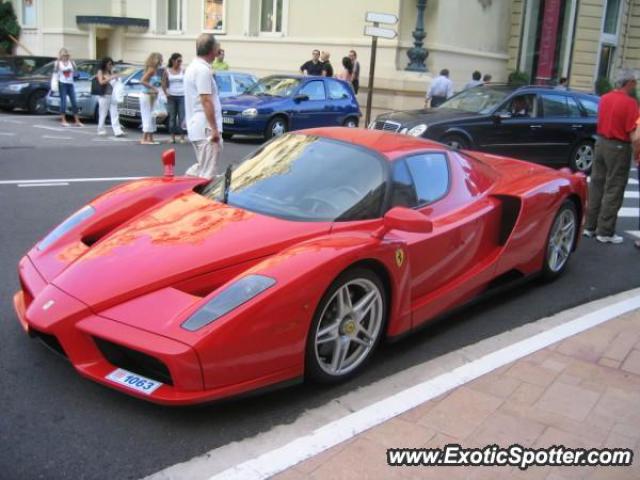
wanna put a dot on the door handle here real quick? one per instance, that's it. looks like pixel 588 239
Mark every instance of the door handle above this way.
pixel 535 126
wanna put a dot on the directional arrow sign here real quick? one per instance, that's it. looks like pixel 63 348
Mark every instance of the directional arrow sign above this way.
pixel 381 18
pixel 379 32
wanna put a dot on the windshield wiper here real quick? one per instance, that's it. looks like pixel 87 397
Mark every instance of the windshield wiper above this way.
pixel 227 185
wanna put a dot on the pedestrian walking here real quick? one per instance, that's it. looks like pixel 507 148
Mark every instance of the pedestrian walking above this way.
pixel 219 63
pixel 475 80
pixel 355 76
pixel 203 110
pixel 151 82
pixel 102 87
pixel 313 66
pixel 617 117
pixel 441 89
pixel 327 68
pixel 65 68
pixel 173 87
pixel 347 70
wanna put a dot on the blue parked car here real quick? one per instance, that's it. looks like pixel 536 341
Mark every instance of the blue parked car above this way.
pixel 280 103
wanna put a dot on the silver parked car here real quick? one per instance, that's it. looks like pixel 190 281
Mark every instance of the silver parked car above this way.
pixel 87 103
pixel 230 84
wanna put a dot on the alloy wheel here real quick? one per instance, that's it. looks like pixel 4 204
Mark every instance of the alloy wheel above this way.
pixel 561 238
pixel 584 157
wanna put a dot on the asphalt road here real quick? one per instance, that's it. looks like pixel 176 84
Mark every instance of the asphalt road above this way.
pixel 56 425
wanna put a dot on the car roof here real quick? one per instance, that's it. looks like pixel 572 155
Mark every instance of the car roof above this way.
pixel 389 145
pixel 536 89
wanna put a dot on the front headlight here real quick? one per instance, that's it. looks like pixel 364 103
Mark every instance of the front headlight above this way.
pixel 17 87
pixel 417 130
pixel 227 300
pixel 70 223
pixel 250 112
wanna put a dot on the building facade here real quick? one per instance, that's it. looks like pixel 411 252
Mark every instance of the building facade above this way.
pixel 545 39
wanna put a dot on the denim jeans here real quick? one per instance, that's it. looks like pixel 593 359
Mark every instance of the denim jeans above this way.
pixel 67 89
pixel 175 109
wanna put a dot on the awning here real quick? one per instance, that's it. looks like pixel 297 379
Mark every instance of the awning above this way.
pixel 112 21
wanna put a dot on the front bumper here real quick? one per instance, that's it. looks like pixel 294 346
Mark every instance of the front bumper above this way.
pixel 237 124
pixel 96 346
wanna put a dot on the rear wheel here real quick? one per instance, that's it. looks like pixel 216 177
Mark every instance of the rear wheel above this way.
pixel 582 157
pixel 6 109
pixel 347 326
pixel 37 103
pixel 456 141
pixel 277 126
pixel 560 241
pixel 227 136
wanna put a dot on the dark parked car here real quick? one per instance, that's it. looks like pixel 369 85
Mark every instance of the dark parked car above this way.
pixel 535 123
pixel 29 92
pixel 12 67
pixel 281 103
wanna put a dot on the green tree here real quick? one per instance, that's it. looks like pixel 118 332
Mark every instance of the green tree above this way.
pixel 8 26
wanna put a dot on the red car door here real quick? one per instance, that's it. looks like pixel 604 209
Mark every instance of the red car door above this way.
pixel 456 259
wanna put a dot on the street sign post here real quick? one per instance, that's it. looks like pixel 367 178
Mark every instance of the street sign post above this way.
pixel 374 32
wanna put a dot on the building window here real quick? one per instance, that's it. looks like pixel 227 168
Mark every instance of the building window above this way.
pixel 214 15
pixel 28 13
pixel 174 15
pixel 612 13
pixel 271 16
pixel 606 60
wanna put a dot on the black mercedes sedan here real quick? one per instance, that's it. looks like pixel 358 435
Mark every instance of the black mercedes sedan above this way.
pixel 536 123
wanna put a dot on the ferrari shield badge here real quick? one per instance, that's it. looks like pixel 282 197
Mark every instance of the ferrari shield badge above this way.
pixel 399 257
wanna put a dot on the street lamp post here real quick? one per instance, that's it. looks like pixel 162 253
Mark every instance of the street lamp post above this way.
pixel 418 54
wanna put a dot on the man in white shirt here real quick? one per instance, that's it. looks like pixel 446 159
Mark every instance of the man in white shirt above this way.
pixel 441 89
pixel 475 80
pixel 202 108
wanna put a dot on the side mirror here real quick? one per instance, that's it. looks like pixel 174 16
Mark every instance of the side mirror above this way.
pixel 405 220
pixel 169 162
pixel 300 98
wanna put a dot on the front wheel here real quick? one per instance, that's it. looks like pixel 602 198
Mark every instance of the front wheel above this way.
pixel 347 326
pixel 560 241
pixel 227 136
pixel 276 127
pixel 582 157
pixel 351 122
pixel 456 141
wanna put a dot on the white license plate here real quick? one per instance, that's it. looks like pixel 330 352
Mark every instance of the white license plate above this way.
pixel 128 113
pixel 228 120
pixel 134 381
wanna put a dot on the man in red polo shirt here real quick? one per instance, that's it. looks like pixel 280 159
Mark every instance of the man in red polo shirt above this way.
pixel 617 116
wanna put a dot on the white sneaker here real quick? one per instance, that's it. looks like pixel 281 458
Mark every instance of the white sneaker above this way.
pixel 102 133
pixel 615 239
pixel 588 233
pixel 121 134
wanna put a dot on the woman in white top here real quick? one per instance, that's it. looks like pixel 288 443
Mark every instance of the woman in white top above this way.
pixel 151 82
pixel 173 86
pixel 65 69
pixel 106 104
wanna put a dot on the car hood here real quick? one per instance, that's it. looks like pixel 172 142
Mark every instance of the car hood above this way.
pixel 429 116
pixel 243 102
pixel 29 79
pixel 181 239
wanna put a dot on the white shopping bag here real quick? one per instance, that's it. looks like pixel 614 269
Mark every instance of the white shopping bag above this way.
pixel 118 91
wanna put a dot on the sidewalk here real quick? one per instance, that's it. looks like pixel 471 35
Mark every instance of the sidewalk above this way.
pixel 583 391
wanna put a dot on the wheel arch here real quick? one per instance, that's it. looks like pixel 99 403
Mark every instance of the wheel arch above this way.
pixel 575 199
pixel 457 131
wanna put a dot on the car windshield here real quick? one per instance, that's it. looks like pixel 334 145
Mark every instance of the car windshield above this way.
pixel 307 178
pixel 46 69
pixel 481 99
pixel 275 86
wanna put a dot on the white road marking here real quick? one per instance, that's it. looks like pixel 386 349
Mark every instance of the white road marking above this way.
pixel 632 181
pixel 634 233
pixel 628 212
pixel 50 184
pixel 7 134
pixel 55 129
pixel 70 180
pixel 345 428
pixel 57 137
pixel 631 194
pixel 7 120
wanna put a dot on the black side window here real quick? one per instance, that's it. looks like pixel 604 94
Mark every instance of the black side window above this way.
pixel 557 106
pixel 404 192
pixel 430 173
pixel 590 106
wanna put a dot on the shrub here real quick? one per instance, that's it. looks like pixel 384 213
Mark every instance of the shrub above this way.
pixel 603 85
pixel 8 26
pixel 518 78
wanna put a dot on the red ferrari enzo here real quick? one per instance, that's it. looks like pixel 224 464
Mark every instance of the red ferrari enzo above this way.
pixel 296 263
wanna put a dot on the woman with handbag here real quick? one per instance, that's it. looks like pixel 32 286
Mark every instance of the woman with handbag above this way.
pixel 101 87
pixel 151 82
pixel 64 70
pixel 173 87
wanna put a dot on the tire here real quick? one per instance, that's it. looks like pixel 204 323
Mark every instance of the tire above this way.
pixel 560 241
pixel 6 109
pixel 582 157
pixel 457 142
pixel 335 328
pixel 350 122
pixel 227 136
pixel 36 102
pixel 277 126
